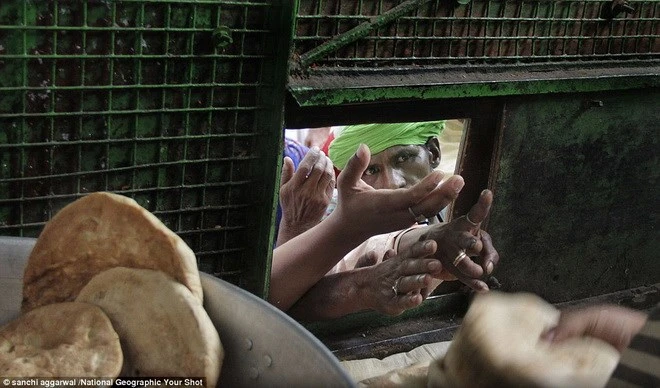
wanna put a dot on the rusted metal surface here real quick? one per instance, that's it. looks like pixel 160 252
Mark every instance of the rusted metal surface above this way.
pixel 480 31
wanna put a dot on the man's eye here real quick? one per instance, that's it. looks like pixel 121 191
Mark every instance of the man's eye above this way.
pixel 371 171
pixel 403 158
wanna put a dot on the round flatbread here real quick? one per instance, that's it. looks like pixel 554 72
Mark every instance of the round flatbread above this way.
pixel 499 344
pixel 164 330
pixel 60 340
pixel 98 232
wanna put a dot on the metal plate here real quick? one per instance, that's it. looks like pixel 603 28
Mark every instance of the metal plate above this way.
pixel 263 346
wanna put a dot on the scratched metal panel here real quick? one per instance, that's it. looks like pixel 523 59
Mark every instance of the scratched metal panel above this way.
pixel 577 194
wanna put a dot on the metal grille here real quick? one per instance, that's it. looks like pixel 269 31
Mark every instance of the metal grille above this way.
pixel 153 99
pixel 378 33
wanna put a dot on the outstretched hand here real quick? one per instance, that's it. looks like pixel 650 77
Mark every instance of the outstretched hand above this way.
pixel 370 212
pixel 465 250
pixel 398 282
pixel 305 193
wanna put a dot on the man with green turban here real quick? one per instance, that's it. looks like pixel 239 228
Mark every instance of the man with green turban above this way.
pixel 402 155
pixel 379 137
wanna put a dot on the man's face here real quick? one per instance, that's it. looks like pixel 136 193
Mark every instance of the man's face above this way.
pixel 399 166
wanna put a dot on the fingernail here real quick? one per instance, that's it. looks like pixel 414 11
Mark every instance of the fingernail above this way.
pixel 458 185
pixel 473 242
pixel 489 267
pixel 315 149
pixel 434 266
pixel 357 152
pixel 482 287
pixel 427 245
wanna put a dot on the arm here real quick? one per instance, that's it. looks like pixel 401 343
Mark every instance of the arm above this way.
pixel 371 288
pixel 305 194
pixel 302 261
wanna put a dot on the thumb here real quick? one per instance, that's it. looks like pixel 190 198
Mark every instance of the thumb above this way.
pixel 479 211
pixel 352 173
pixel 287 170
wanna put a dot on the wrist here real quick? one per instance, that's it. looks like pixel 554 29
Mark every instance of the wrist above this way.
pixel 361 289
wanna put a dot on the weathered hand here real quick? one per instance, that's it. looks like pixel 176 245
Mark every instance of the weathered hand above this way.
pixel 305 194
pixel 397 283
pixel 371 211
pixel 460 240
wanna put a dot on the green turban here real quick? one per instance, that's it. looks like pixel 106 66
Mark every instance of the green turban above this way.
pixel 379 137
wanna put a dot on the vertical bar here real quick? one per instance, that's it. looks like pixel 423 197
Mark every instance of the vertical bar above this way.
pixel 535 16
pixel 518 16
pixel 138 80
pixel 81 94
pixel 111 77
pixel 415 31
pixel 486 41
pixel 469 38
pixel 186 125
pixel 433 21
pixel 395 40
pixel 160 204
pixel 207 148
pixel 551 15
pixel 452 19
pixel 23 117
pixel 638 31
pixel 625 21
pixel 503 20
pixel 51 118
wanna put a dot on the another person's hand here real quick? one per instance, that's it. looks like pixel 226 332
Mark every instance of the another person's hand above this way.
pixel 465 250
pixel 389 287
pixel 305 193
pixel 369 212
pixel 613 324
pixel 396 284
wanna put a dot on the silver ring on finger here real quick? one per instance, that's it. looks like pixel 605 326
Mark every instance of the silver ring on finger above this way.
pixel 467 217
pixel 418 218
pixel 395 287
pixel 459 258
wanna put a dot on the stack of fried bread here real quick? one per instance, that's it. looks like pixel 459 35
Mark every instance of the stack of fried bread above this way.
pixel 110 291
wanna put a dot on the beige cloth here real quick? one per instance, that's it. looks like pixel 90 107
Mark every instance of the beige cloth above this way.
pixel 371 367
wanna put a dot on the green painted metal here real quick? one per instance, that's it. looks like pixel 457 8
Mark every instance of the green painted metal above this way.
pixel 272 95
pixel 345 90
pixel 577 178
pixel 359 52
pixel 176 103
